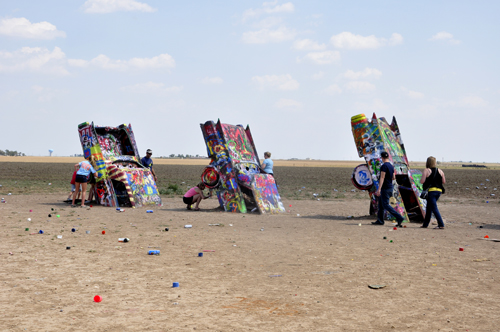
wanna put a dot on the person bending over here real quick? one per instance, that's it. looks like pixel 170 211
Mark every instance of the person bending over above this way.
pixel 384 191
pixel 194 196
pixel 83 170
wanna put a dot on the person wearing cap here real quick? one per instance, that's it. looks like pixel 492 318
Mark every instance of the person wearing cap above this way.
pixel 148 162
pixel 384 191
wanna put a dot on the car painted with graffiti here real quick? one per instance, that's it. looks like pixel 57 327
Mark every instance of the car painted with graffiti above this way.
pixel 372 137
pixel 121 178
pixel 235 170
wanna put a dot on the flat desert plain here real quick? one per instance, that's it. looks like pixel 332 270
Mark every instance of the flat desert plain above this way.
pixel 309 269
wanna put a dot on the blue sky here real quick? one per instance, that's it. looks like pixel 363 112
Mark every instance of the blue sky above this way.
pixel 294 71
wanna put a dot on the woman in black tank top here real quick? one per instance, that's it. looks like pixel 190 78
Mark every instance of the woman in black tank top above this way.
pixel 433 180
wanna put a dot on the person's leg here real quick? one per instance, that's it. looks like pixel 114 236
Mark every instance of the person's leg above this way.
pixel 390 209
pixel 434 195
pixel 196 200
pixel 84 191
pixel 380 214
pixel 428 211
pixel 75 192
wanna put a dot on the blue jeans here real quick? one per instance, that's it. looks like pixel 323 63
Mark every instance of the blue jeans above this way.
pixel 383 204
pixel 432 207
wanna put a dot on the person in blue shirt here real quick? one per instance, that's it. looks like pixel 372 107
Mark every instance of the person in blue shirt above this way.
pixel 148 162
pixel 83 170
pixel 267 164
pixel 384 191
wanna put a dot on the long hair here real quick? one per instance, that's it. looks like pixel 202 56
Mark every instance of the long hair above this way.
pixel 431 162
pixel 267 154
pixel 91 160
pixel 201 184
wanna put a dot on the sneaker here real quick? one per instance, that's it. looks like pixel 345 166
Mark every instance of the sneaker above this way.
pixel 377 223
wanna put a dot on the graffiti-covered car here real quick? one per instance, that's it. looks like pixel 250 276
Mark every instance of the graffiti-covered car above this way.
pixel 235 170
pixel 121 179
pixel 372 137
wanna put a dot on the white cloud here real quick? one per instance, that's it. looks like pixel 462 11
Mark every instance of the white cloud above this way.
pixel 348 40
pixel 322 58
pixel 412 94
pixel 471 102
pixel 34 59
pixel 157 62
pixel 265 36
pixel 445 36
pixel 268 8
pixel 212 80
pixel 360 87
pixel 110 6
pixel 279 82
pixel 151 88
pixel 308 45
pixel 319 75
pixel 288 103
pixel 366 73
pixel 333 89
pixel 23 28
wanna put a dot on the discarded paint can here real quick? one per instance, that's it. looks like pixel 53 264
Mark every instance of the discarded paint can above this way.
pixel 59 236
pixel 385 237
pixel 68 248
pixel 149 211
pixel 119 210
pixel 166 229
pixel 395 228
pixel 97 298
pixel 50 216
pixel 88 232
pixel 40 232
pixel 29 219
pixel 103 232
pixel 200 254
pixel 123 239
pixel 460 249
pixel 175 284
pixel 73 230
pixel 26 229
pixel 154 252
pixel 188 226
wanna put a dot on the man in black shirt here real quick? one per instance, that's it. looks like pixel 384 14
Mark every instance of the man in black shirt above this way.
pixel 384 191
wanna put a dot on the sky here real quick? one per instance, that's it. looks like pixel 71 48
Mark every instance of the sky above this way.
pixel 295 71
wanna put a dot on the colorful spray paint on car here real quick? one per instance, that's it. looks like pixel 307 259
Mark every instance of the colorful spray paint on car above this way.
pixel 371 138
pixel 235 171
pixel 121 179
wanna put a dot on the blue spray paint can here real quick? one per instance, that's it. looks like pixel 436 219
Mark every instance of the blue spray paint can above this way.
pixel 154 252
pixel 149 211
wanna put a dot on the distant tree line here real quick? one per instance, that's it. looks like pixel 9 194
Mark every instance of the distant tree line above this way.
pixel 11 153
pixel 183 156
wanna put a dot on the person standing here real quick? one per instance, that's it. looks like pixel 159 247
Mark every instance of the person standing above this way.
pixel 433 180
pixel 148 162
pixel 384 191
pixel 83 170
pixel 267 164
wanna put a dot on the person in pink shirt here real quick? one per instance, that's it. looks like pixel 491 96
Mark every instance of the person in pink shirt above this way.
pixel 194 196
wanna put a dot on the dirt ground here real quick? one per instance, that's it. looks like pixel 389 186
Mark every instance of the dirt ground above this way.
pixel 306 270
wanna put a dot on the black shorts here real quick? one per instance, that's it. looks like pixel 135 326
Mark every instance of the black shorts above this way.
pixel 187 200
pixel 81 178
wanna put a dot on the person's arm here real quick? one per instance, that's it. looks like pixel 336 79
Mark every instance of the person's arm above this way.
pixel 77 167
pixel 424 176
pixel 153 172
pixel 380 183
pixel 442 175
